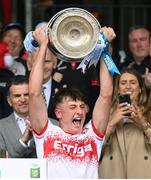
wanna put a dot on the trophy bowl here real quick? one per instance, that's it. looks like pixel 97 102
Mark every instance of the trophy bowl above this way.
pixel 74 34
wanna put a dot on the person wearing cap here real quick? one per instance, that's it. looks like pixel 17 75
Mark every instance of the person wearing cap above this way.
pixel 13 35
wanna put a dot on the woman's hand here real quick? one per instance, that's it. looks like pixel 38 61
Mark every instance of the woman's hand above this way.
pixel 137 116
pixel 122 111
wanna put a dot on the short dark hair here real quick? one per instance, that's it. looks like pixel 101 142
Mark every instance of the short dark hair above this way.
pixel 15 25
pixel 136 27
pixel 16 80
pixel 72 93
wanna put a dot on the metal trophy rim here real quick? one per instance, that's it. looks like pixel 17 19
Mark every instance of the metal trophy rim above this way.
pixel 67 14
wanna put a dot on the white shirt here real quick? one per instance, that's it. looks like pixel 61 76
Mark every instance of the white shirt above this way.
pixel 18 68
pixel 21 123
pixel 22 126
pixel 47 91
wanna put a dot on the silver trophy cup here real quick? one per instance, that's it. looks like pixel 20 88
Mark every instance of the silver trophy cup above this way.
pixel 74 34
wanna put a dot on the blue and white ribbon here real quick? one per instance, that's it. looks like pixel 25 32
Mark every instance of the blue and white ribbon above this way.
pixel 101 50
pixel 109 63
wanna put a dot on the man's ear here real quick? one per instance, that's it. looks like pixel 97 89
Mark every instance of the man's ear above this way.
pixel 58 113
pixel 9 101
pixel 87 108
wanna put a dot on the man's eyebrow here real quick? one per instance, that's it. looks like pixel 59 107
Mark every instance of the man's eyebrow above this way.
pixel 16 94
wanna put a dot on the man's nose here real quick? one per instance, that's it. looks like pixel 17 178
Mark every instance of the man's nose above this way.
pixel 139 43
pixel 13 39
pixel 79 110
pixel 22 98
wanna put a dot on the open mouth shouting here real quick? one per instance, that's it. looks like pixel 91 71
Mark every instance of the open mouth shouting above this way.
pixel 77 121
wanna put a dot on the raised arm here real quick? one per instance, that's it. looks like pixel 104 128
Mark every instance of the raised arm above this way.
pixel 37 108
pixel 102 107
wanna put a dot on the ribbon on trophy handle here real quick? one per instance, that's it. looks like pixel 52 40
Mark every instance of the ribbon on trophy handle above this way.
pixel 101 50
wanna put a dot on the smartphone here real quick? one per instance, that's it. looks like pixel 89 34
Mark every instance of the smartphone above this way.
pixel 124 98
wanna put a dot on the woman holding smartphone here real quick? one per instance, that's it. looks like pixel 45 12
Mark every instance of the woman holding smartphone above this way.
pixel 127 150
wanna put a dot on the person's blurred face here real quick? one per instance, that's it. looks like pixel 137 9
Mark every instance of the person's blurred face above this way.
pixel 49 64
pixel 71 115
pixel 18 99
pixel 139 44
pixel 129 84
pixel 13 38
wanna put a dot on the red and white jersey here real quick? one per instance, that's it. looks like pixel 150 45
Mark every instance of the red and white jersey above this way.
pixel 70 156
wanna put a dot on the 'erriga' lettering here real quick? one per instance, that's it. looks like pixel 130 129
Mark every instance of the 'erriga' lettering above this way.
pixel 78 151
